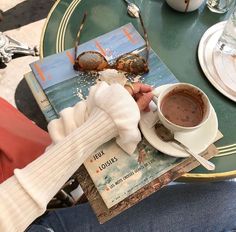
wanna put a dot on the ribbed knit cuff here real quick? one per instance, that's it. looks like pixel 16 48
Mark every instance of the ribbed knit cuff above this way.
pixel 18 209
pixel 44 178
pixel 38 182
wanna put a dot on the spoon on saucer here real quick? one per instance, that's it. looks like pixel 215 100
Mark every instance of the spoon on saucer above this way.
pixel 132 9
pixel 167 136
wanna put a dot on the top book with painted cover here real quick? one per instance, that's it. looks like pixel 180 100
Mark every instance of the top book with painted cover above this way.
pixel 64 86
pixel 109 167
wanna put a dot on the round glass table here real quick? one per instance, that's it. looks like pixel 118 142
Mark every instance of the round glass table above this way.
pixel 174 36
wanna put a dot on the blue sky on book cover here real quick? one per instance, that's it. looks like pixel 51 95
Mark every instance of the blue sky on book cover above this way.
pixel 64 86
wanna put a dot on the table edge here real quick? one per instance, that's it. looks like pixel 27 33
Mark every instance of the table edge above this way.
pixel 44 29
pixel 208 177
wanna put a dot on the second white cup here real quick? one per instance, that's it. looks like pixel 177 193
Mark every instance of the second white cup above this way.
pixel 184 5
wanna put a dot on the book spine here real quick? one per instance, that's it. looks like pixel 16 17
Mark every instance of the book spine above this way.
pixel 40 97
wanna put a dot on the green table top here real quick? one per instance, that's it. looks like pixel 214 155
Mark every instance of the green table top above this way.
pixel 173 35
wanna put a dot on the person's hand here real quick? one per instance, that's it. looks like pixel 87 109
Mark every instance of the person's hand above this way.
pixel 142 94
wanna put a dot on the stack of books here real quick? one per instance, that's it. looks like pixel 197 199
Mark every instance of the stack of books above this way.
pixel 111 180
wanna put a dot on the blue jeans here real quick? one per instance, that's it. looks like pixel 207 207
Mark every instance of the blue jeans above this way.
pixel 179 208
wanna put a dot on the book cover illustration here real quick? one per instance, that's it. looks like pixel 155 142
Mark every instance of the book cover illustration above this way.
pixel 64 86
pixel 40 97
pixel 109 167
pixel 117 175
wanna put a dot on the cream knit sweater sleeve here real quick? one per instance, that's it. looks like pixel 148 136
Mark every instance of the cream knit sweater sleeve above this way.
pixel 112 113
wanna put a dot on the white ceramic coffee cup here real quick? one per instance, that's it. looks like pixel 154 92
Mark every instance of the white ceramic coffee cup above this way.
pixel 188 88
pixel 180 5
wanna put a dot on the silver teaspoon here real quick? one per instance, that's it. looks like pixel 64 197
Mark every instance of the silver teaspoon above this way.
pixel 167 136
pixel 132 9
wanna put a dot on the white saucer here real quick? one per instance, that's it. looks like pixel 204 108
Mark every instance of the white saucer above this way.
pixel 197 141
pixel 219 68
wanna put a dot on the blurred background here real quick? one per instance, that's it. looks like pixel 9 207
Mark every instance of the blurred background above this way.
pixel 22 20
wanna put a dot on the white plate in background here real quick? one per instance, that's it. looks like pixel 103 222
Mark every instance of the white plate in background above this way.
pixel 212 63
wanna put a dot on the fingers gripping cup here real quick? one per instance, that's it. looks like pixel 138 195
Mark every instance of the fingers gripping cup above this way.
pixel 183 107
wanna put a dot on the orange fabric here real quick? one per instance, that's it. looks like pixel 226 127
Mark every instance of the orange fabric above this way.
pixel 21 141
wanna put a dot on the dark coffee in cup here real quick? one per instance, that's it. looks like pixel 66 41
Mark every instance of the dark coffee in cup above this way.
pixel 183 107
